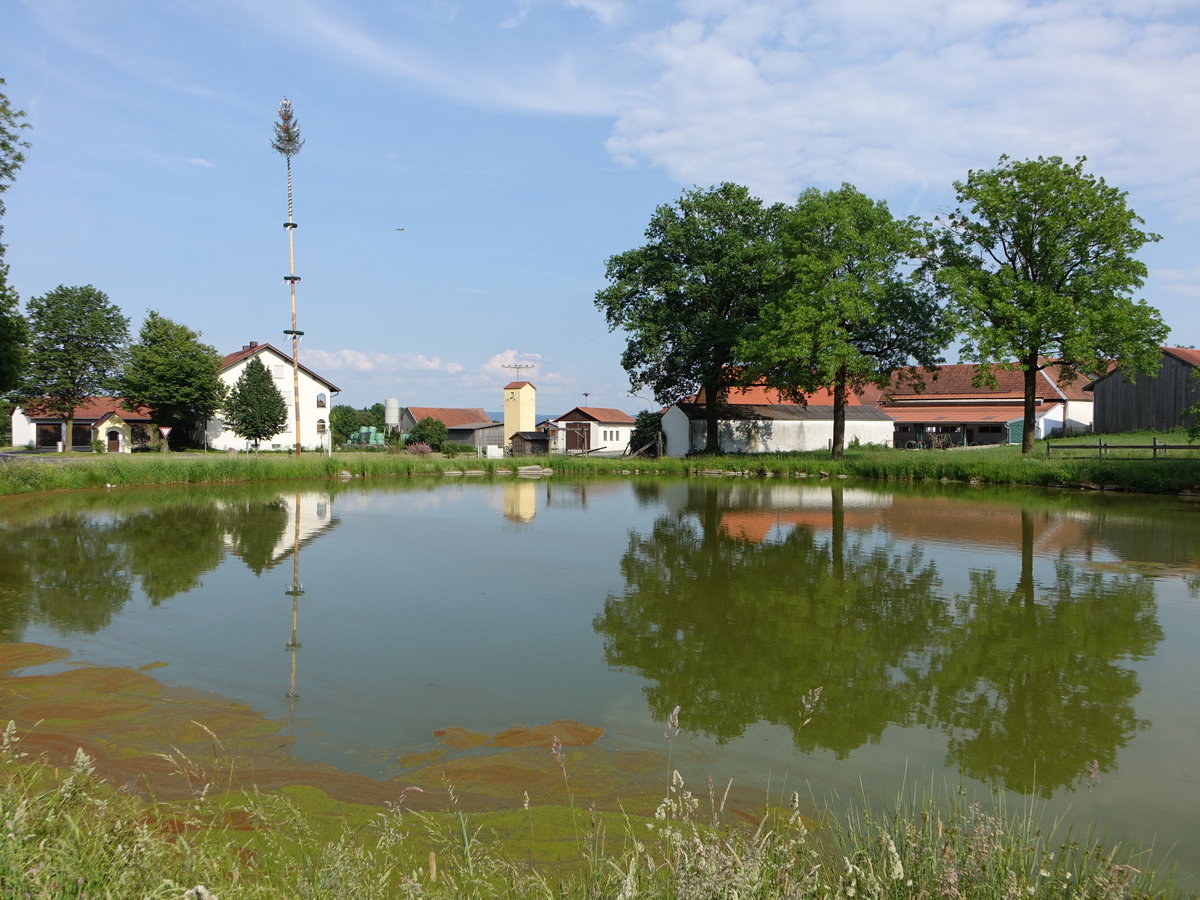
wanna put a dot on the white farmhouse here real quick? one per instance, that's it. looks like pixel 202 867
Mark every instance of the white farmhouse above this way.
pixel 316 399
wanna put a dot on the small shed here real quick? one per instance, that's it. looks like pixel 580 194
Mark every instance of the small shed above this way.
pixel 477 434
pixel 531 443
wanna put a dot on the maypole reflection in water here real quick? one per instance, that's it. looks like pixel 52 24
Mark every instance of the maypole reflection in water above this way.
pixel 295 592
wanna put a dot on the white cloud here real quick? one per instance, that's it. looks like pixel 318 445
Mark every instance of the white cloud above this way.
pixel 608 12
pixel 912 93
pixel 199 161
pixel 383 363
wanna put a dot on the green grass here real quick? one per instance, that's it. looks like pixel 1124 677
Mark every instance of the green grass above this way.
pixel 984 465
pixel 69 834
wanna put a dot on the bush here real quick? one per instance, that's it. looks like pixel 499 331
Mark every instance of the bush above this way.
pixel 451 449
pixel 429 431
pixel 98 446
pixel 419 448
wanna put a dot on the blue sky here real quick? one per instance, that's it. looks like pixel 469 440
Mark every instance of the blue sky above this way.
pixel 520 143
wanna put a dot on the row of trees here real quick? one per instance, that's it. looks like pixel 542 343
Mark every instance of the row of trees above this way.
pixel 1037 264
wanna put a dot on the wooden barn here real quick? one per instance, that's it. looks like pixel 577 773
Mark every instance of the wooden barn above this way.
pixel 1161 401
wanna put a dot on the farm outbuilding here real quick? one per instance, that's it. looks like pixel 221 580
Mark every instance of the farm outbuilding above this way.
pixel 771 428
pixel 1160 401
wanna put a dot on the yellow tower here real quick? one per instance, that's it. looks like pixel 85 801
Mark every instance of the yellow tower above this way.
pixel 520 404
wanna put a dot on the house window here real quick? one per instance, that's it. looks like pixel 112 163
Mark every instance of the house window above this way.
pixel 321 401
pixel 279 371
pixel 320 426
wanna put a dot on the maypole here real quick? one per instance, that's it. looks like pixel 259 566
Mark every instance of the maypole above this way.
pixel 287 141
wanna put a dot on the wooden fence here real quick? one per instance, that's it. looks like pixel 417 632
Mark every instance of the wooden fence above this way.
pixel 1102 449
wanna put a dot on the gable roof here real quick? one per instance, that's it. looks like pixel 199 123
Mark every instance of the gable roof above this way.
pixel 1186 355
pixel 92 409
pixel 1189 355
pixel 254 348
pixel 515 385
pixel 599 414
pixel 451 417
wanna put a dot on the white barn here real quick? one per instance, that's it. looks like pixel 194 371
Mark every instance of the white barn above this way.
pixel 316 399
pixel 770 428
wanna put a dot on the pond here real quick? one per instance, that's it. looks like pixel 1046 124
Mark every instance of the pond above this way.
pixel 1040 644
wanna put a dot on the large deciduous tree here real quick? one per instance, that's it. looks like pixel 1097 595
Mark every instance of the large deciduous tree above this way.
pixel 174 375
pixel 1039 264
pixel 851 313
pixel 254 408
pixel 13 334
pixel 685 298
pixel 78 345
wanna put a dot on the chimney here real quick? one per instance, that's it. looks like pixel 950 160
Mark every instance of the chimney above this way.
pixel 253 344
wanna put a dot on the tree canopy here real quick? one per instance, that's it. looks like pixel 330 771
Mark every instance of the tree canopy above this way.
pixel 78 346
pixel 1039 264
pixel 13 334
pixel 254 409
pixel 850 314
pixel 686 297
pixel 174 375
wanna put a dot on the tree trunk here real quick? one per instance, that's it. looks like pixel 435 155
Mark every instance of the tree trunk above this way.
pixel 1028 425
pixel 839 414
pixel 837 533
pixel 712 412
pixel 69 436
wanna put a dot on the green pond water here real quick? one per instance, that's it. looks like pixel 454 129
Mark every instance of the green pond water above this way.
pixel 997 639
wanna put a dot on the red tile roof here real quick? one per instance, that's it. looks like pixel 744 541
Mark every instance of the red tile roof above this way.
pixel 515 385
pixel 960 413
pixel 254 347
pixel 957 382
pixel 760 395
pixel 598 414
pixel 92 409
pixel 452 417
pixel 1189 355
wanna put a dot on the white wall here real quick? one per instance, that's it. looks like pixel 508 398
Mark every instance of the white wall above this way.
pixel 767 436
pixel 23 431
pixel 280 367
pixel 618 440
pixel 1079 415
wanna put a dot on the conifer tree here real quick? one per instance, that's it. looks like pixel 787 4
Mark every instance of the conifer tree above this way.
pixel 254 409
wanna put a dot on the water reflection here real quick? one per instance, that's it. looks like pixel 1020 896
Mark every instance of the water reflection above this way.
pixel 741 599
pixel 74 570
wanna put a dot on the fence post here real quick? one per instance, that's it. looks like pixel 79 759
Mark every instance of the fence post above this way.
pixel 1154 446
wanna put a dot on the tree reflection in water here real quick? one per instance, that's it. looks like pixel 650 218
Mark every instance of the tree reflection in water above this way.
pixel 1027 681
pixel 75 569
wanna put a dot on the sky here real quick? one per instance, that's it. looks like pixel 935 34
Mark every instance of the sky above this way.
pixel 520 143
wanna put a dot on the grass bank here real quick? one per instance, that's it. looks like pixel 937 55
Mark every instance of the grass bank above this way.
pixel 69 834
pixel 1003 465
